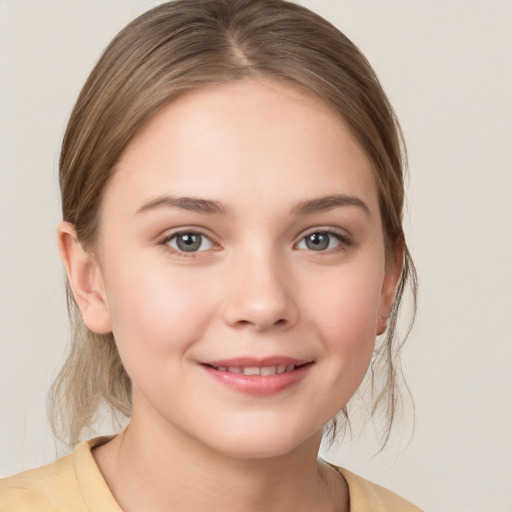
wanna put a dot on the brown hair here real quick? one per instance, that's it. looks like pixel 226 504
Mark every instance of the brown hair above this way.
pixel 185 45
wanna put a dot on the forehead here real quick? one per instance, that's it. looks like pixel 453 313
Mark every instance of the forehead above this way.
pixel 244 141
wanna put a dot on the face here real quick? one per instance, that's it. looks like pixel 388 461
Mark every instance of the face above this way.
pixel 242 267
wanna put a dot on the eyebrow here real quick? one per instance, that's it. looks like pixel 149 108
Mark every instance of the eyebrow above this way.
pixel 323 204
pixel 193 204
pixel 210 206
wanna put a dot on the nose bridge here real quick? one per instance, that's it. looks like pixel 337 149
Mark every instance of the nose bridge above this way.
pixel 260 291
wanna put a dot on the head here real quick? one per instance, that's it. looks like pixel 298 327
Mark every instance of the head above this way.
pixel 171 52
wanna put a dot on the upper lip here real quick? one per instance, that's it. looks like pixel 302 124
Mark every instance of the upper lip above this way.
pixel 256 362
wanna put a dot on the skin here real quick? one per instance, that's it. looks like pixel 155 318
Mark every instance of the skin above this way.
pixel 265 153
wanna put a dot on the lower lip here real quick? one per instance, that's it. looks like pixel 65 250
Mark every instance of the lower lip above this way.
pixel 259 384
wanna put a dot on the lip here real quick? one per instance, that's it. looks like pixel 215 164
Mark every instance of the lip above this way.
pixel 257 384
pixel 258 362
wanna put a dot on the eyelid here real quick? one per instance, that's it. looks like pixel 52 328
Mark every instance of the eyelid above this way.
pixel 170 232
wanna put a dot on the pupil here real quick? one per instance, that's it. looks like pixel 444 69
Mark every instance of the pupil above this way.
pixel 189 242
pixel 317 241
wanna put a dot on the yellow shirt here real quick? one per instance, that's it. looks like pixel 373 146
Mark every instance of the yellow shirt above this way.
pixel 75 484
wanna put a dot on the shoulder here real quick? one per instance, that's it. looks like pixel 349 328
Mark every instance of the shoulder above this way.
pixel 72 483
pixel 365 496
pixel 35 489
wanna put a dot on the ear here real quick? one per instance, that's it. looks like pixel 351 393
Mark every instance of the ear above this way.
pixel 390 284
pixel 85 279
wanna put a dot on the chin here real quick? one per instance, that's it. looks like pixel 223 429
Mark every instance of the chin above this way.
pixel 265 443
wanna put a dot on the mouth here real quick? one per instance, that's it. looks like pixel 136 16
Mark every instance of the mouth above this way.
pixel 258 376
pixel 258 370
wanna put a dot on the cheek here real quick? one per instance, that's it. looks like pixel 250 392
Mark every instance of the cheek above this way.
pixel 155 312
pixel 348 300
pixel 347 312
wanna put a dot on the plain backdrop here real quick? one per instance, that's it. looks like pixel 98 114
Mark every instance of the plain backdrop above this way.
pixel 447 68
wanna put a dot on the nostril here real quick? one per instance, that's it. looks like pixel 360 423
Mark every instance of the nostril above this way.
pixel 278 323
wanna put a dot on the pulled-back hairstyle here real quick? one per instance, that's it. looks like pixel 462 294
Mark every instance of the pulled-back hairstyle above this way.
pixel 183 46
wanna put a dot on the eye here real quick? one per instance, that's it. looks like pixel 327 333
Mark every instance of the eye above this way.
pixel 321 241
pixel 189 241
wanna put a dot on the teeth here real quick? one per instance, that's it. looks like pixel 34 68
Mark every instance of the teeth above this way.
pixel 251 370
pixel 255 370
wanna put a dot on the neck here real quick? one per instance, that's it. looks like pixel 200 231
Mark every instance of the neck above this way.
pixel 148 469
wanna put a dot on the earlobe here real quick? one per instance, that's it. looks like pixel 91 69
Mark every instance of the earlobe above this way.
pixel 85 279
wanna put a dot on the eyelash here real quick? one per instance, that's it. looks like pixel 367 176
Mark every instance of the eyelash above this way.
pixel 344 242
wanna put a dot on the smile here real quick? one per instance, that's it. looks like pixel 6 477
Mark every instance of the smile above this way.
pixel 255 370
pixel 258 376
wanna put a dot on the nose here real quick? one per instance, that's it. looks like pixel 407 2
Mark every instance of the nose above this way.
pixel 260 294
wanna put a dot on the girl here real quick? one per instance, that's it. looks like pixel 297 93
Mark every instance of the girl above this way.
pixel 232 194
